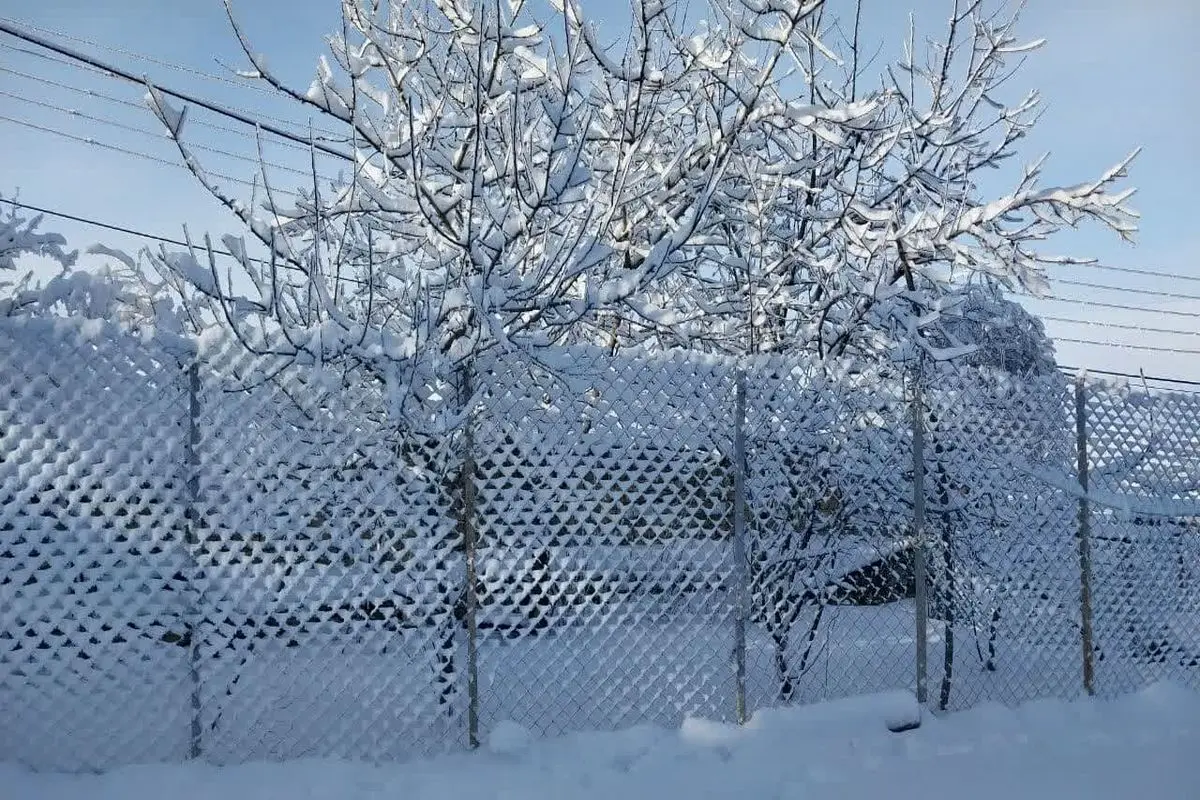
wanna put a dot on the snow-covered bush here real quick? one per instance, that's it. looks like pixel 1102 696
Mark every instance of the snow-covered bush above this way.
pixel 1005 336
pixel 119 291
pixel 19 236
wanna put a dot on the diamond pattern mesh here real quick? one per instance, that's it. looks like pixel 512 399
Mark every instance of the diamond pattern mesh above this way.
pixel 829 534
pixel 235 558
pixel 1145 479
pixel 327 569
pixel 92 557
pixel 605 522
pixel 1001 538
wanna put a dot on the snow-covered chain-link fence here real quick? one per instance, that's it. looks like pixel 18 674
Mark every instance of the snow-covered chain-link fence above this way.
pixel 230 558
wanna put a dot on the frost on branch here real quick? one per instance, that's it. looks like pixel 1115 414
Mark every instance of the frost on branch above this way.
pixel 173 118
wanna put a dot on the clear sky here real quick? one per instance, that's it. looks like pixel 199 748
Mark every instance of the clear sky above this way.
pixel 1115 75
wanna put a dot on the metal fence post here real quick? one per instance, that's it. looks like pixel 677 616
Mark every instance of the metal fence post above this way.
pixel 921 593
pixel 192 541
pixel 467 527
pixel 1084 536
pixel 741 571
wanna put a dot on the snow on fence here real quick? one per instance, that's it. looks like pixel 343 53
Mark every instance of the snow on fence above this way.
pixel 227 558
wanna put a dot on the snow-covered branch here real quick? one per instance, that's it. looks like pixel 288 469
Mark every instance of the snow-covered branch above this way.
pixel 517 182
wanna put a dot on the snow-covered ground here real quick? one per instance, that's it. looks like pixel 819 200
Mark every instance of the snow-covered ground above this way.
pixel 1141 745
pixel 370 693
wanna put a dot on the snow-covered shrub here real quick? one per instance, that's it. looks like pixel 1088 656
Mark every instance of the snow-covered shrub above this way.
pixel 116 292
pixel 19 236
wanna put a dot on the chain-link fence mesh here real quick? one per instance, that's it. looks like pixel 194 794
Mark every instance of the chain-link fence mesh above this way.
pixel 829 535
pixel 1001 535
pixel 233 557
pixel 327 569
pixel 92 556
pixel 1145 543
pixel 604 516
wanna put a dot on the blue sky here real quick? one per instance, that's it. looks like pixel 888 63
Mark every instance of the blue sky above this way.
pixel 1114 76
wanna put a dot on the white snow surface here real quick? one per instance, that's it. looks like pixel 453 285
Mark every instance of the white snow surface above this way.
pixel 1140 745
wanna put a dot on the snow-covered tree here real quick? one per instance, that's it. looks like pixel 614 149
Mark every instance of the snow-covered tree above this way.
pixel 1003 333
pixel 19 236
pixel 743 184
pixel 514 184
pixel 844 245
pixel 517 182
pixel 829 501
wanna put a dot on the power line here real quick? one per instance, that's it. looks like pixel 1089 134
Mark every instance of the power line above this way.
pixel 95 143
pixel 187 98
pixel 77 89
pixel 1128 289
pixel 1149 272
pixel 13 26
pixel 133 153
pixel 1125 346
pixel 243 84
pixel 326 135
pixel 54 59
pixel 181 243
pixel 80 60
pixel 93 93
pixel 95 65
pixel 149 236
pixel 105 72
pixel 116 228
pixel 1116 306
pixel 1116 374
pixel 158 136
pixel 1118 325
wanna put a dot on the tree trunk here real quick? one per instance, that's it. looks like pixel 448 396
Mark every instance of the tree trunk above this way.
pixel 811 638
pixel 993 630
pixel 780 627
pixel 948 583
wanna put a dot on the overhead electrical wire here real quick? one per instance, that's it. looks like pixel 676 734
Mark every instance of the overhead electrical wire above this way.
pixel 1128 346
pixel 144 235
pixel 169 240
pixel 247 117
pixel 88 140
pixel 301 129
pixel 112 227
pixel 1052 318
pixel 243 118
pixel 1114 306
pixel 225 253
pixel 152 135
pixel 95 94
pixel 42 79
pixel 1127 289
pixel 1148 272
pixel 1119 374
pixel 68 57
pixel 1118 325
pixel 184 68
